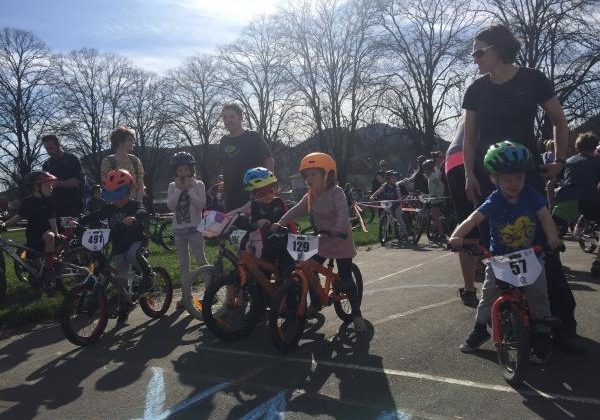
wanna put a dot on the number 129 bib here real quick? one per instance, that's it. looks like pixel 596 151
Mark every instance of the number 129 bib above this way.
pixel 302 247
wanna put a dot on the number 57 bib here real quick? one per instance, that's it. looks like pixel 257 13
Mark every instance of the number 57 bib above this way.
pixel 518 269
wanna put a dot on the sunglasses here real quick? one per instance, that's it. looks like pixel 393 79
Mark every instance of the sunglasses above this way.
pixel 480 52
pixel 263 192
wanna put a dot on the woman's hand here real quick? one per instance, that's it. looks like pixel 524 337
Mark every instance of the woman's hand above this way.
pixel 552 170
pixel 472 189
pixel 455 242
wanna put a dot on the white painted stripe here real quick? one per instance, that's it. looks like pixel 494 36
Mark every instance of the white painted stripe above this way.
pixel 412 375
pixel 155 395
pixel 412 311
pixel 407 269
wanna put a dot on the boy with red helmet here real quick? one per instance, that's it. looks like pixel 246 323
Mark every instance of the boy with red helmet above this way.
pixel 126 220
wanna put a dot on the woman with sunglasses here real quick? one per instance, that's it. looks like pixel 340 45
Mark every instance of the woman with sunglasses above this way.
pixel 502 105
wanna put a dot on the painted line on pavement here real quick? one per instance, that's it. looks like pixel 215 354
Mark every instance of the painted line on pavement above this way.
pixel 412 311
pixel 533 392
pixel 406 269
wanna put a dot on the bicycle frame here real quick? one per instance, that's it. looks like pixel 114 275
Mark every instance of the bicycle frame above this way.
pixel 307 269
pixel 512 296
pixel 255 265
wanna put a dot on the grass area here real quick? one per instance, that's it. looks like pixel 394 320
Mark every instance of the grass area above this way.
pixel 20 305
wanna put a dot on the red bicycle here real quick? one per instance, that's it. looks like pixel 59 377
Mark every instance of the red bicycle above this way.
pixel 511 321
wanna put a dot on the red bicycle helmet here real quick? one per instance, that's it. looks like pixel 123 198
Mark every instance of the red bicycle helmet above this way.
pixel 116 178
pixel 38 177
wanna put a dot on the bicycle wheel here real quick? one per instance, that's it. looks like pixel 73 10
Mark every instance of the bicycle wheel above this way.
pixel 386 229
pixel 285 325
pixel 3 284
pixel 418 227
pixel 342 305
pixel 167 240
pixel 80 257
pixel 589 237
pixel 368 214
pixel 157 304
pixel 84 314
pixel 230 311
pixel 20 272
pixel 513 351
pixel 199 281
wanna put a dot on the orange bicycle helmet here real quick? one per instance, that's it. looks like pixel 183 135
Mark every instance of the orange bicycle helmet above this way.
pixel 116 184
pixel 318 160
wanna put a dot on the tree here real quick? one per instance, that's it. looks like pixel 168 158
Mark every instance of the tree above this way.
pixel 26 102
pixel 93 88
pixel 143 110
pixel 332 66
pixel 562 38
pixel 255 75
pixel 194 104
pixel 424 42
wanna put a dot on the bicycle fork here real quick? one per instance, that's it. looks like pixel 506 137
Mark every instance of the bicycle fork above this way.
pixel 513 298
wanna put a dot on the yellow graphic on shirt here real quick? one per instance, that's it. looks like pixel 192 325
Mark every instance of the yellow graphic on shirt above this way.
pixel 519 234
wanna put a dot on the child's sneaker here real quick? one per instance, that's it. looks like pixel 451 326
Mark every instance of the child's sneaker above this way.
pixel 468 297
pixel 124 309
pixel 359 324
pixel 542 348
pixel 476 338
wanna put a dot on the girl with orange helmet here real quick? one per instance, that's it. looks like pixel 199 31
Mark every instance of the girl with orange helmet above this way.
pixel 326 202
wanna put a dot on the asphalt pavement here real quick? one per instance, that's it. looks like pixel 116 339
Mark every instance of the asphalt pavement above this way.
pixel 407 366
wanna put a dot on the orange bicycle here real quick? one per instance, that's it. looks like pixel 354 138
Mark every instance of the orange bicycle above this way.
pixel 233 302
pixel 287 317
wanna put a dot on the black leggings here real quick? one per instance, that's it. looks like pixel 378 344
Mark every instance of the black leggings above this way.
pixel 344 266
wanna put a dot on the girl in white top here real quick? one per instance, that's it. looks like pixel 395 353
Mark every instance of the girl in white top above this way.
pixel 186 198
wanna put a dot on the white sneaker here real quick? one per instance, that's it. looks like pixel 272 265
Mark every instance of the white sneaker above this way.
pixel 359 324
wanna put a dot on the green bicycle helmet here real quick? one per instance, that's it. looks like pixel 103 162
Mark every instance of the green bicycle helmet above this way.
pixel 259 177
pixel 508 157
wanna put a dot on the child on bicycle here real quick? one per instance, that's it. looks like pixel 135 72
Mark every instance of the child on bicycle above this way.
pixel 263 209
pixel 437 197
pixel 186 199
pixel 390 190
pixel 126 219
pixel 39 210
pixel 515 212
pixel 326 201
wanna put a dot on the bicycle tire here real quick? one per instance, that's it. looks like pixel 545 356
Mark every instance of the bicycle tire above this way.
pixel 342 307
pixel 157 304
pixel 167 239
pixel 3 284
pixel 418 227
pixel 84 315
pixel 193 292
pixel 20 272
pixel 79 256
pixel 384 228
pixel 285 325
pixel 513 351
pixel 226 319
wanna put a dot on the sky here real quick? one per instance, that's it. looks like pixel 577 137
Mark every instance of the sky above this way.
pixel 155 34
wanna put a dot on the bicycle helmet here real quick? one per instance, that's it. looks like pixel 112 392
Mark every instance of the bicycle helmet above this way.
pixel 182 158
pixel 508 157
pixel 259 177
pixel 116 184
pixel 318 160
pixel 38 177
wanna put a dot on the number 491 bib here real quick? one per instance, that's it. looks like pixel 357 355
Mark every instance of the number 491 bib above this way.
pixel 521 268
pixel 95 239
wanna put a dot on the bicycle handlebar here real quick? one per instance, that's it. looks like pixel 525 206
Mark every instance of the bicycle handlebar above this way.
pixel 282 230
pixel 481 251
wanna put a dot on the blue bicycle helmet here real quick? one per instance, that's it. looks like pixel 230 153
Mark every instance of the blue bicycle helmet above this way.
pixel 257 178
pixel 508 157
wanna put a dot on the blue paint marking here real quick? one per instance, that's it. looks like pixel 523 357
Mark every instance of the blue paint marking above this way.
pixel 274 409
pixel 393 415
pixel 198 397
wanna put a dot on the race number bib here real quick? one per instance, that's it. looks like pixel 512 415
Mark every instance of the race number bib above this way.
pixel 521 268
pixel 302 247
pixel 236 237
pixel 95 239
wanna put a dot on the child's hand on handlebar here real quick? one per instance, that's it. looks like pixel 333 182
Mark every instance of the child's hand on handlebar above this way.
pixel 129 221
pixel 275 227
pixel 261 223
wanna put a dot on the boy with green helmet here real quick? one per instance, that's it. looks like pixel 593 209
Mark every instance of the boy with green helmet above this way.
pixel 514 211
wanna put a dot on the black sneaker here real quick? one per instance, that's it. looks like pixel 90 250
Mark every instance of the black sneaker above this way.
pixel 542 349
pixel 475 339
pixel 595 270
pixel 124 310
pixel 468 297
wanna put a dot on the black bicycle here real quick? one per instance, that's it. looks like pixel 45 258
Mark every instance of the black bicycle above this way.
pixel 159 230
